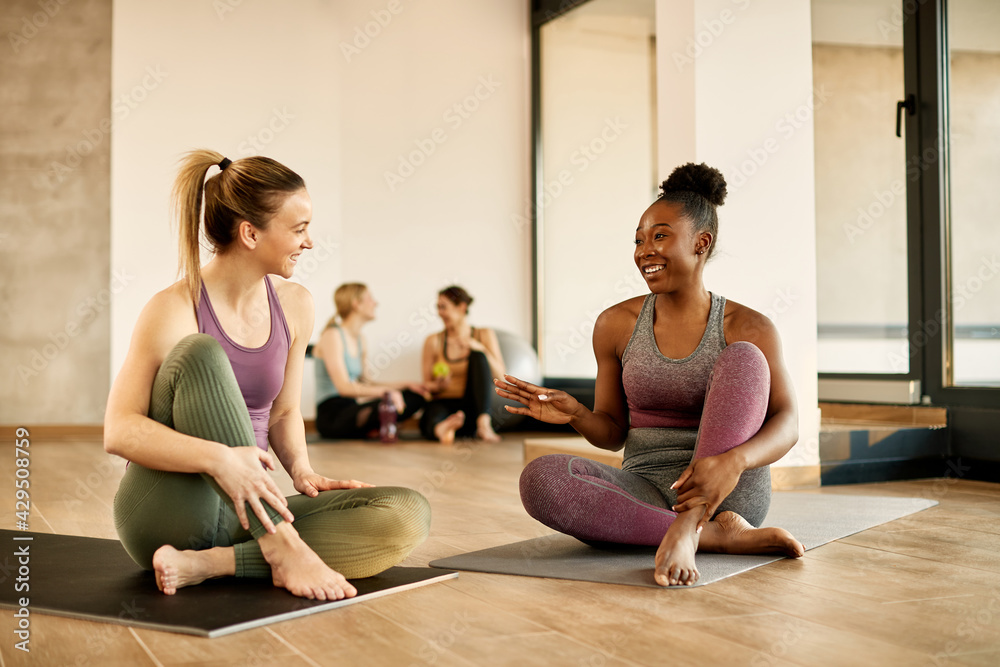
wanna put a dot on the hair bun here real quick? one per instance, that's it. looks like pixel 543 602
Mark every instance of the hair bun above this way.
pixel 699 179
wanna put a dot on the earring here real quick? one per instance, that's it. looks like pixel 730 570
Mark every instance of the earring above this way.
pixel 701 252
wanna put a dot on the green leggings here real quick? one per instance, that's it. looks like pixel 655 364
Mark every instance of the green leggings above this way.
pixel 357 532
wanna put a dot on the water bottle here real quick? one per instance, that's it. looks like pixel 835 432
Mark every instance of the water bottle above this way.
pixel 387 419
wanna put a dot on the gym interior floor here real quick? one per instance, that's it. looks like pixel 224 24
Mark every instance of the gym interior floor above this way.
pixel 920 590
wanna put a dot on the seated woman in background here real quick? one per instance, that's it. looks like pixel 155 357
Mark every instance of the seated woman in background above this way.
pixel 346 403
pixel 459 365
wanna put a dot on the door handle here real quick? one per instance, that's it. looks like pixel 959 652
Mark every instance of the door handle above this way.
pixel 910 104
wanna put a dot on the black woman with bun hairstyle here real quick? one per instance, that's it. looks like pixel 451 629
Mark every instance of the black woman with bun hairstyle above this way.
pixel 695 389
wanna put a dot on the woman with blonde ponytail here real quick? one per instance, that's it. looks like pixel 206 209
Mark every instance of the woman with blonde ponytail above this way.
pixel 346 400
pixel 212 380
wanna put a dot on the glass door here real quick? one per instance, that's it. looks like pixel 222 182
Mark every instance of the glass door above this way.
pixel 971 115
pixel 866 266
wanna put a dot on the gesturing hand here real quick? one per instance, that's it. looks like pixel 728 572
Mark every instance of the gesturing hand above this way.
pixel 706 482
pixel 244 480
pixel 548 405
pixel 311 483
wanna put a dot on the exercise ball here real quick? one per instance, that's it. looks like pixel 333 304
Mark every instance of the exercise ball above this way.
pixel 521 361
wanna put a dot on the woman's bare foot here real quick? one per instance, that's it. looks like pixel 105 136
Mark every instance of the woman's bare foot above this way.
pixel 484 429
pixel 177 569
pixel 730 533
pixel 675 557
pixel 446 428
pixel 297 568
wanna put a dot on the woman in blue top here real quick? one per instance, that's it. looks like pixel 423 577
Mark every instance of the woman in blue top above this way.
pixel 346 402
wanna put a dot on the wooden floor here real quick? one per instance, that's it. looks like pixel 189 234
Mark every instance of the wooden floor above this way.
pixel 924 590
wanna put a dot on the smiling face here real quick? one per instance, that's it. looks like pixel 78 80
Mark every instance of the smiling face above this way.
pixel 450 313
pixel 667 248
pixel 287 234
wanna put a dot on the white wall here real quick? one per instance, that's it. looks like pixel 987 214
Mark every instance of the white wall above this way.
pixel 224 81
pixel 436 152
pixel 598 173
pixel 356 103
pixel 750 112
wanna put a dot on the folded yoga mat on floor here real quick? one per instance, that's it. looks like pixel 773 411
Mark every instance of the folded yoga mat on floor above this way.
pixel 813 518
pixel 94 579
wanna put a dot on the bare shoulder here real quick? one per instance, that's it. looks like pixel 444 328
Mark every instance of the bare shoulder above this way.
pixel 297 304
pixel 171 308
pixel 434 339
pixel 165 319
pixel 621 316
pixel 614 326
pixel 744 323
pixel 291 293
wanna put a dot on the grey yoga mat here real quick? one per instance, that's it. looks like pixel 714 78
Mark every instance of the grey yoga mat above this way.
pixel 813 518
pixel 94 579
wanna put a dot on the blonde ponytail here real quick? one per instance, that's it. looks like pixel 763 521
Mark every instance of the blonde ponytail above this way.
pixel 251 189
pixel 186 199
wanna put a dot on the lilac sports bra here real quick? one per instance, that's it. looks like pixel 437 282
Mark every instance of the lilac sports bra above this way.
pixel 260 372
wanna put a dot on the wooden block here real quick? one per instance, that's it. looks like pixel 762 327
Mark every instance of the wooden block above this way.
pixel 900 415
pixel 788 478
pixel 535 447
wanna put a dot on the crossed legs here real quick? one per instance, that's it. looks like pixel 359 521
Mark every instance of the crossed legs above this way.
pixel 183 525
pixel 596 502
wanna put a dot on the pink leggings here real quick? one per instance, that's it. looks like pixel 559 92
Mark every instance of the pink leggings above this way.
pixel 599 503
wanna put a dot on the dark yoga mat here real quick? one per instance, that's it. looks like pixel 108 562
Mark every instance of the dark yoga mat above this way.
pixel 94 579
pixel 813 518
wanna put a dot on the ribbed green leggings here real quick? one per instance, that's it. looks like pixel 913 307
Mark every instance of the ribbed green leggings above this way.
pixel 357 532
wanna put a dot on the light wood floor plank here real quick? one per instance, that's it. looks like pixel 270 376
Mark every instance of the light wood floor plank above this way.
pixel 921 590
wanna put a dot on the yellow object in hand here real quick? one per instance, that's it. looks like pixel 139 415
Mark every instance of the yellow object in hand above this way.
pixel 440 370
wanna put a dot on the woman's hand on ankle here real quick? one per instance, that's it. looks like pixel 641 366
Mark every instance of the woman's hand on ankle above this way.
pixel 707 481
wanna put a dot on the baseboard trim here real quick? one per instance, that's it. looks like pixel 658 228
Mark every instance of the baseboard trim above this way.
pixel 882 470
pixel 979 470
pixel 896 470
pixel 46 432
